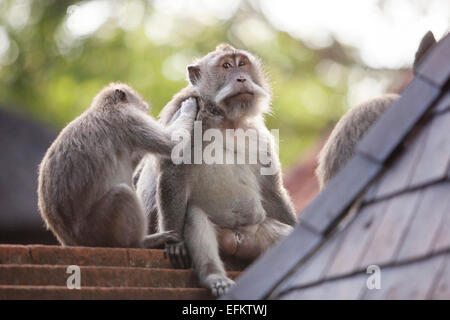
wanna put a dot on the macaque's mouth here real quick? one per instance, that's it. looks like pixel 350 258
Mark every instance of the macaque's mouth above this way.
pixel 243 94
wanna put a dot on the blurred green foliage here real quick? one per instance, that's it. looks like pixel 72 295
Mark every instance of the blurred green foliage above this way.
pixel 54 81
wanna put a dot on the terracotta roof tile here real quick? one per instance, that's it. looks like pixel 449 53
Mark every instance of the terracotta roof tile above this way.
pixel 39 272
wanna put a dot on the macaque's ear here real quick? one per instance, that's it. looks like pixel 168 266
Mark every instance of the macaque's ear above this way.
pixel 426 43
pixel 194 74
pixel 120 95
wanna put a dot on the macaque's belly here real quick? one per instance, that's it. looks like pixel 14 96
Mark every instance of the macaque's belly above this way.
pixel 229 194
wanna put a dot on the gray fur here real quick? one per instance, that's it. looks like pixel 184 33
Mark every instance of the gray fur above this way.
pixel 85 192
pixel 197 200
pixel 351 128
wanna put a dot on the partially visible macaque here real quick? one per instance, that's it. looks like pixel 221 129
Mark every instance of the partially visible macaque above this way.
pixel 228 207
pixel 350 129
pixel 85 192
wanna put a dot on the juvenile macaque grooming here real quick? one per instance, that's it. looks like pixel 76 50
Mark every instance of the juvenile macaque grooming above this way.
pixel 85 179
pixel 228 207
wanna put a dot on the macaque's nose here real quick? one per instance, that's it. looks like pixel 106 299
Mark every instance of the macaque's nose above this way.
pixel 241 79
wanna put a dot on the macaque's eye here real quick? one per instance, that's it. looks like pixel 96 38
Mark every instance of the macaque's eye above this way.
pixel 226 65
pixel 242 63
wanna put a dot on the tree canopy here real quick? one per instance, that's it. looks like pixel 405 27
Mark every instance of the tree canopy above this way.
pixel 51 64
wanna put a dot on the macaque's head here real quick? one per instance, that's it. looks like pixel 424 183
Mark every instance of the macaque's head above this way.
pixel 233 80
pixel 119 94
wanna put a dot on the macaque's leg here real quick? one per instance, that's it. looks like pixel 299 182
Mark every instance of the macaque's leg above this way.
pixel 248 243
pixel 201 241
pixel 118 220
pixel 115 220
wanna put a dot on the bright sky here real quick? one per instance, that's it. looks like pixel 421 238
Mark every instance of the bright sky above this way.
pixel 385 37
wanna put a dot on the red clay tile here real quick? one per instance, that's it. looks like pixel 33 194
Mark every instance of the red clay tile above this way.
pixel 147 258
pixel 82 256
pixel 101 293
pixel 14 254
pixel 39 272
pixel 93 276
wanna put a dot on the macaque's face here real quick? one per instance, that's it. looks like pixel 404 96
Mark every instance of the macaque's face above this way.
pixel 233 81
pixel 238 83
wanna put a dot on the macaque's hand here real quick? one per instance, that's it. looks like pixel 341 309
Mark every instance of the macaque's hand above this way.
pixel 178 255
pixel 189 108
pixel 160 239
pixel 181 128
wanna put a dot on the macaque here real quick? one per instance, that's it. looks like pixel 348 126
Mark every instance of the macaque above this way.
pixel 232 209
pixel 85 192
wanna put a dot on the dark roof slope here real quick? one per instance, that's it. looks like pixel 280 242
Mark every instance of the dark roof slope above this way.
pixel 397 187
pixel 403 227
pixel 23 145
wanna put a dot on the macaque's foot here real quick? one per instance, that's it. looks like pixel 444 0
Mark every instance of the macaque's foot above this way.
pixel 189 108
pixel 160 239
pixel 239 245
pixel 178 255
pixel 219 284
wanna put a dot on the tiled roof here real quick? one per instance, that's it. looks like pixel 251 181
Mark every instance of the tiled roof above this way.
pixel 389 206
pixel 39 272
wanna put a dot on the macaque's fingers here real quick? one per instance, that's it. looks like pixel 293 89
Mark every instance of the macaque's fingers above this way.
pixel 222 286
pixel 219 288
pixel 181 129
pixel 168 253
pixel 218 284
pixel 178 256
pixel 173 257
pixel 189 107
pixel 185 256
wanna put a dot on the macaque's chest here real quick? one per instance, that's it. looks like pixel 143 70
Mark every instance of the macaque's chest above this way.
pixel 221 190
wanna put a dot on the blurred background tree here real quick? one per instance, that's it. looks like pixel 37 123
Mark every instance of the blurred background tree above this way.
pixel 321 56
